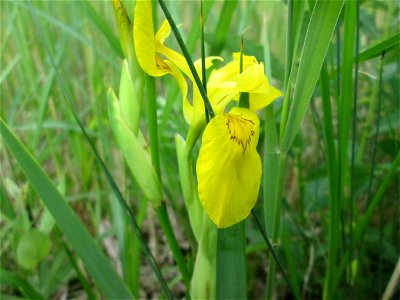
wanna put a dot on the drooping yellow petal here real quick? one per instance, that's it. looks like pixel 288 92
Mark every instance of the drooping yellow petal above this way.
pixel 143 36
pixel 229 167
pixel 183 87
pixel 194 113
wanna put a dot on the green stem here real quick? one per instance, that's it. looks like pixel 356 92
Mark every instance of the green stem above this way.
pixel 277 220
pixel 244 100
pixel 203 57
pixel 330 154
pixel 163 219
pixel 289 44
pixel 231 262
pixel 161 211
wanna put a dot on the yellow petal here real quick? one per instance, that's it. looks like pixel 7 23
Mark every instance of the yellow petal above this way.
pixel 252 78
pixel 176 58
pixel 143 35
pixel 260 100
pixel 229 167
pixel 162 33
pixel 182 84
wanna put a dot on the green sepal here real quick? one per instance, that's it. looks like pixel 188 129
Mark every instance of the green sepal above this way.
pixel 204 273
pixel 189 188
pixel 134 153
pixel 125 28
pixel 130 101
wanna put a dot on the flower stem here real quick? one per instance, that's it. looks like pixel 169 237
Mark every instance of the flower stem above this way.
pixel 161 211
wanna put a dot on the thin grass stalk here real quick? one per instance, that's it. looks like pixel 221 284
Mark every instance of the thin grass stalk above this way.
pixel 152 261
pixel 331 161
pixel 354 125
pixel 289 44
pixel 364 220
pixel 271 249
pixel 374 143
pixel 271 152
pixel 344 114
pixel 224 21
pixel 82 279
pixel 277 219
pixel 161 211
pixel 203 56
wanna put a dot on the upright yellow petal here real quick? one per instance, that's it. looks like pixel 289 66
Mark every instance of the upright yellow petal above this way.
pixel 229 167
pixel 163 32
pixel 143 36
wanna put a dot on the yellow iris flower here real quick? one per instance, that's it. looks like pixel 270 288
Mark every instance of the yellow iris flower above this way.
pixel 229 167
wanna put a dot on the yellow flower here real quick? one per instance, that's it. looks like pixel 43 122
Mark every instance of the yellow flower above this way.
pixel 227 83
pixel 150 50
pixel 229 167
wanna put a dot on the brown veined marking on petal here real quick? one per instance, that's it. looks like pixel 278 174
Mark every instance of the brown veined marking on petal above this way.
pixel 161 65
pixel 235 121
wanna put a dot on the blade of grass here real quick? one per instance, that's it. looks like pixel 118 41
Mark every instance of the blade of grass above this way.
pixel 271 250
pixel 353 130
pixel 330 156
pixel 387 45
pixel 102 25
pixel 344 122
pixel 117 192
pixel 15 281
pixel 319 33
pixel 203 56
pixel 82 279
pixel 6 207
pixel 364 220
pixel 44 98
pixel 374 145
pixel 222 29
pixel 73 33
pixel 98 266
pixel 231 262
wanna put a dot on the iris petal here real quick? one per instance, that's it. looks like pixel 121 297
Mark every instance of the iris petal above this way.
pixel 229 167
pixel 145 47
